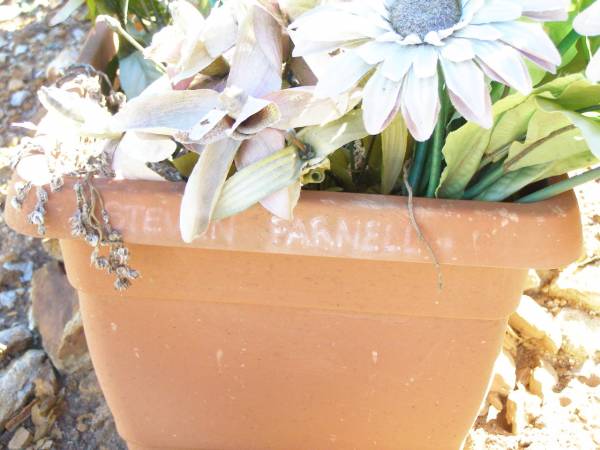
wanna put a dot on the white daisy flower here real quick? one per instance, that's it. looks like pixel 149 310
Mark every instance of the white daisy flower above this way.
pixel 588 24
pixel 401 42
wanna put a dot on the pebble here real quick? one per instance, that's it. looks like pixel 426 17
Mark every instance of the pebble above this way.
pixel 9 12
pixel 26 269
pixel 20 440
pixel 20 49
pixel 15 84
pixel 3 58
pixel 8 299
pixel 534 322
pixel 18 98
pixel 14 340
pixel 17 382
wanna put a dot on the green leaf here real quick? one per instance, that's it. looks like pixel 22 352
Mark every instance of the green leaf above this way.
pixel 394 141
pixel 550 136
pixel 465 148
pixel 589 128
pixel 136 73
pixel 257 181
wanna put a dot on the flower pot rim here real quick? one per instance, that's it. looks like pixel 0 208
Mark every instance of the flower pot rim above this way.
pixel 540 235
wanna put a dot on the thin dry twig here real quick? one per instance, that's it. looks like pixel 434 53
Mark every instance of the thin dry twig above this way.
pixel 417 228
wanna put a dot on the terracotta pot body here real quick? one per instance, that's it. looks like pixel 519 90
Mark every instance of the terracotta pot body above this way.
pixel 330 331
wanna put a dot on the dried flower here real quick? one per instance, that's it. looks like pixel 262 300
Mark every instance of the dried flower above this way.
pixel 402 41
pixel 192 43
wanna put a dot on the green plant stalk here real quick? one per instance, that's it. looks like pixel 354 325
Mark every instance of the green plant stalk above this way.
pixel 422 188
pixel 416 171
pixel 561 187
pixel 497 91
pixel 568 41
pixel 436 160
pixel 438 143
pixel 495 173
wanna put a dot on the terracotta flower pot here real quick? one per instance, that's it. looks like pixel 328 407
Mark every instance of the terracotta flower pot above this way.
pixel 326 332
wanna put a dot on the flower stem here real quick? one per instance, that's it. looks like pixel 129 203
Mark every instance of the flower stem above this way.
pixel 416 171
pixel 114 25
pixel 437 145
pixel 568 41
pixel 495 172
pixel 561 187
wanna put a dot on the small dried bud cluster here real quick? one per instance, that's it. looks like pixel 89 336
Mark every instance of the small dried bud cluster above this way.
pixel 166 170
pixel 37 216
pixel 21 192
pixel 359 156
pixel 98 233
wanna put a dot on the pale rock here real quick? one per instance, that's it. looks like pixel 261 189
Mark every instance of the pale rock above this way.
pixel 55 310
pixel 15 84
pixel 20 49
pixel 25 267
pixel 579 286
pixel 17 382
pixel 14 340
pixel 20 440
pixel 581 333
pixel 533 281
pixel 9 12
pixel 8 299
pixel 589 373
pixel 3 57
pixel 542 380
pixel 52 247
pixel 521 409
pixel 504 374
pixel 535 323
pixel 18 98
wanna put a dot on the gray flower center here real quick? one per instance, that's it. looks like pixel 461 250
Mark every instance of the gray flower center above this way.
pixel 420 17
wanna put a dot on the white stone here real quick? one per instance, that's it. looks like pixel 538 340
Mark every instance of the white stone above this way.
pixel 18 98
pixel 533 322
pixel 542 380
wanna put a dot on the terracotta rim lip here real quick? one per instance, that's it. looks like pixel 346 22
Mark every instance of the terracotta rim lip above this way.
pixel 359 226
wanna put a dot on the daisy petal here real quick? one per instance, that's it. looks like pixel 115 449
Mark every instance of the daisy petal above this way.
pixel 345 71
pixel 503 64
pixel 532 42
pixel 468 91
pixel 497 11
pixel 380 102
pixel 588 22
pixel 593 70
pixel 420 105
pixel 546 10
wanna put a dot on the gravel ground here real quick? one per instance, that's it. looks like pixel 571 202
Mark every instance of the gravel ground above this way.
pixel 30 53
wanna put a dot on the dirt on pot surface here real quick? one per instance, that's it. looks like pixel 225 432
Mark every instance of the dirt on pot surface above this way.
pixel 546 390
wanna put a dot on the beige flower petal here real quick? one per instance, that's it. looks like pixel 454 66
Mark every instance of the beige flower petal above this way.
pixel 204 187
pixel 257 62
pixel 165 113
pixel 300 108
